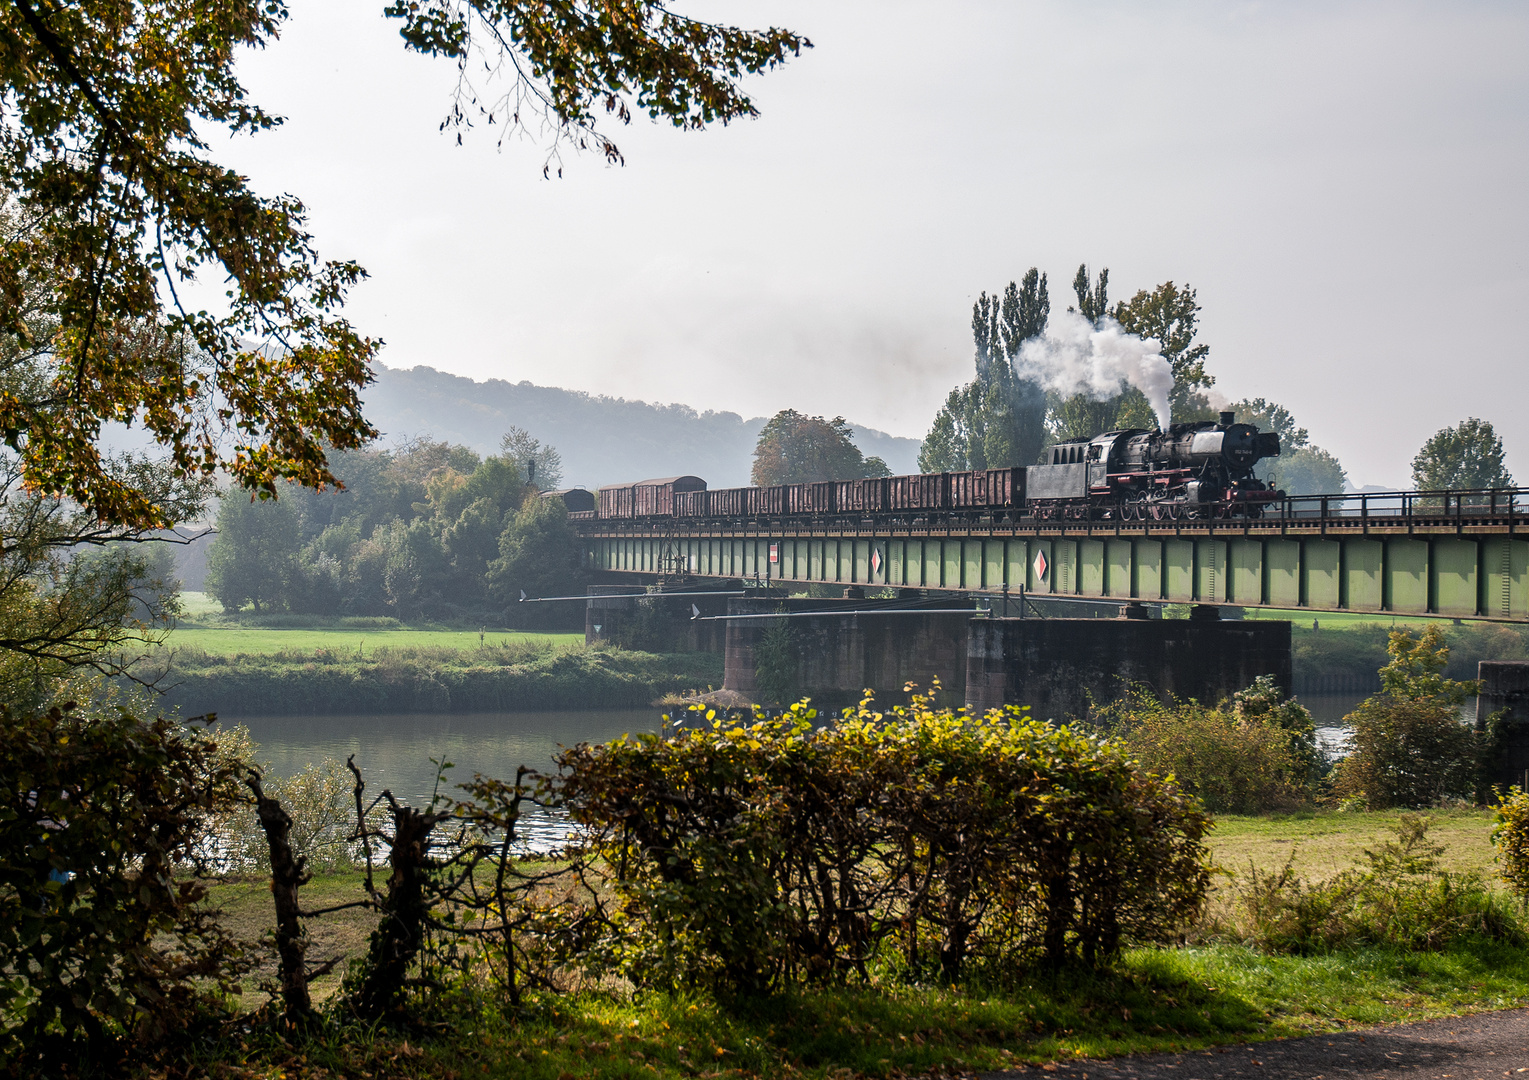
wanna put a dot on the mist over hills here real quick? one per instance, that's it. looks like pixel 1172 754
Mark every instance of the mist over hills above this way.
pixel 603 440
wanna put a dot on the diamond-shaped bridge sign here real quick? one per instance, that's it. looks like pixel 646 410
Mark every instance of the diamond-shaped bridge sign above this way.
pixel 1041 565
pixel 875 560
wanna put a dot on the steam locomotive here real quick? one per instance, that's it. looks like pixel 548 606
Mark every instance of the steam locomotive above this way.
pixel 1198 470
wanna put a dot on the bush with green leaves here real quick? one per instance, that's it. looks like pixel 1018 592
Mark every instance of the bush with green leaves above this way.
pixel 1249 757
pixel 1510 835
pixel 747 855
pixel 320 800
pixel 105 939
pixel 1410 747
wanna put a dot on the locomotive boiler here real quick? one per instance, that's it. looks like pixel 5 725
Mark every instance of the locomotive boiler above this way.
pixel 1195 470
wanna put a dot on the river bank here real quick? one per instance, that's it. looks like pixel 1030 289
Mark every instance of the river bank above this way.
pixel 425 679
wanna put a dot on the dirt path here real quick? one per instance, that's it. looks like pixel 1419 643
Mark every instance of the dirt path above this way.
pixel 1488 1046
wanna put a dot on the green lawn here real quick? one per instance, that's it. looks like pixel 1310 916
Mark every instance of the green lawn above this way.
pixel 1325 842
pixel 1343 619
pixel 253 641
pixel 206 628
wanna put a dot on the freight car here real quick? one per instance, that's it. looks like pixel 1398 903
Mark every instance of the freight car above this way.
pixel 646 498
pixel 576 500
pixel 1195 470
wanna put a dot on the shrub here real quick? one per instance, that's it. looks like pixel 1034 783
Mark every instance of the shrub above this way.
pixel 100 938
pixel 1409 746
pixel 320 801
pixel 1407 753
pixel 1510 835
pixel 749 855
pixel 1401 898
pixel 1239 760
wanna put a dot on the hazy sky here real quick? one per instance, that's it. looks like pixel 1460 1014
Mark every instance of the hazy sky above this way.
pixel 1345 184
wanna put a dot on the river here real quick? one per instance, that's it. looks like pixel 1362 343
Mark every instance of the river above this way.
pixel 394 750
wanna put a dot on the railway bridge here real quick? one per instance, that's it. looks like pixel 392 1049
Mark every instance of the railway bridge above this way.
pixel 1414 553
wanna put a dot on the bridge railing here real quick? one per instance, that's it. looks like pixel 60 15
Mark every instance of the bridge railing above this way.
pixel 1386 507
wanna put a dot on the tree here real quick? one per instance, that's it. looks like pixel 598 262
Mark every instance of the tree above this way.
pixel 1308 471
pixel 1082 416
pixel 1301 468
pixel 1270 416
pixel 254 558
pixel 117 204
pixel 540 465
pixel 798 449
pixel 76 593
pixel 1093 298
pixel 1461 458
pixel 539 554
pixel 1169 315
pixel 997 419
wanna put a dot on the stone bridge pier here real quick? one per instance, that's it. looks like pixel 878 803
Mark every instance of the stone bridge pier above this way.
pixel 1055 665
pixel 1505 689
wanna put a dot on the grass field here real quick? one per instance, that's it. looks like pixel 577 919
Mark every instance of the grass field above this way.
pixel 1326 842
pixel 206 628
pixel 254 641
pixel 1335 620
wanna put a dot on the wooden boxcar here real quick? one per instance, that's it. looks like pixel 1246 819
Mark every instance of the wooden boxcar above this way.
pixel 615 501
pixel 577 500
pixel 646 498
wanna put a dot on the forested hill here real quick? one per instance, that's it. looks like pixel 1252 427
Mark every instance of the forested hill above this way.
pixel 603 440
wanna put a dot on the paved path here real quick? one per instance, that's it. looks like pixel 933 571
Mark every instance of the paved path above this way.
pixel 1488 1046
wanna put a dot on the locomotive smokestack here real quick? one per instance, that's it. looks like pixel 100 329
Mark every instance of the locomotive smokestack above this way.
pixel 1228 419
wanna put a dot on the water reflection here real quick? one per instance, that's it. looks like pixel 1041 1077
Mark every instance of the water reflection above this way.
pixel 394 750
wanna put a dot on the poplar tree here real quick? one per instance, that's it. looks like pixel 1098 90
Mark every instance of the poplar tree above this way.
pixel 997 419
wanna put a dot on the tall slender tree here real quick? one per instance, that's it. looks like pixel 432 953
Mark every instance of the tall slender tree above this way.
pixel 997 419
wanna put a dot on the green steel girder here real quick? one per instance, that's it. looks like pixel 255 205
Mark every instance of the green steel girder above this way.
pixel 1449 572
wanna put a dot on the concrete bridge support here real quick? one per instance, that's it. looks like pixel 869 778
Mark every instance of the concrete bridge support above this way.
pixel 1057 665
pixel 1505 687
pixel 841 653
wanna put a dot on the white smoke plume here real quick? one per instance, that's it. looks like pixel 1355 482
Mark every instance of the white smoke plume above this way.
pixel 1075 357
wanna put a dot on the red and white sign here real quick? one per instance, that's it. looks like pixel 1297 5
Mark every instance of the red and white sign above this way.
pixel 1040 565
pixel 875 560
pixel 775 553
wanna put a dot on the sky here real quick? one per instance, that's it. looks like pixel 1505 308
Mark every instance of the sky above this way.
pixel 1346 186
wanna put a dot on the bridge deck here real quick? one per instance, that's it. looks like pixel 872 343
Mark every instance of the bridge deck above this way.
pixel 1422 554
